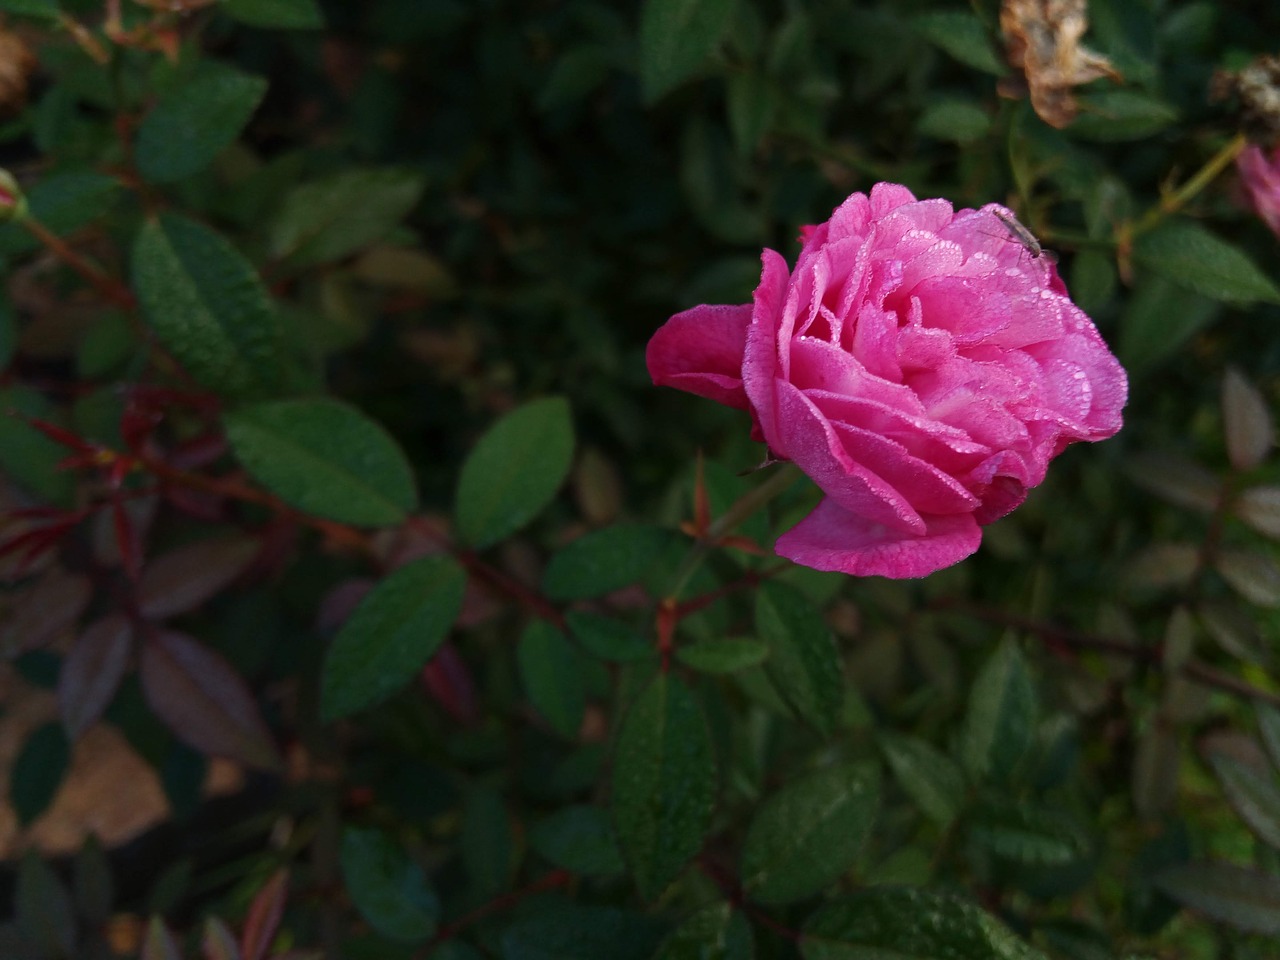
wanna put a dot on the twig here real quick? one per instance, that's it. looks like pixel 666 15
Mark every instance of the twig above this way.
pixel 107 285
pixel 550 881
pixel 1195 670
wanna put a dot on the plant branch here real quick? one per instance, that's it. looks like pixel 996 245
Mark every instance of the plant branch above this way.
pixel 1195 670
pixel 108 286
pixel 1173 202
pixel 725 524
pixel 550 881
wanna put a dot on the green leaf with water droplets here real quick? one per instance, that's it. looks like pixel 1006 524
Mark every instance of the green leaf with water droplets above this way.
pixel 810 832
pixel 664 781
pixel 514 471
pixel 209 308
pixel 803 661
pixel 391 635
pixel 717 932
pixel 1000 723
pixel 326 458
pixel 908 924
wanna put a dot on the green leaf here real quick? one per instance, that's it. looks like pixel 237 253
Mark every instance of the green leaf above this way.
pixel 48 9
pixel 960 121
pixel 8 332
pixel 332 218
pixel 803 661
pixel 603 561
pixel 717 932
pixel 63 203
pixel 1253 793
pixel 1000 724
pixel 514 471
pixel 29 456
pixel 752 104
pixel 486 842
pixel 209 308
pixel 551 671
pixel 42 907
pixel 391 635
pixel 556 929
pixel 723 654
pixel 1018 831
pixel 963 36
pixel 608 639
pixel 38 771
pixel 93 883
pixel 927 775
pixel 278 14
pixel 809 833
pixel 664 783
pixel 195 121
pixel 908 924
pixel 1191 256
pixel 325 458
pixel 1269 726
pixel 1160 318
pixel 1121 115
pixel 387 887
pixel 1241 897
pixel 676 37
pixel 579 839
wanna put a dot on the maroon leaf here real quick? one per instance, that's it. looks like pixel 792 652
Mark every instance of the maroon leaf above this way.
pixel 92 671
pixel 139 513
pixel 218 942
pixel 264 916
pixel 43 610
pixel 204 701
pixel 180 580
pixel 159 943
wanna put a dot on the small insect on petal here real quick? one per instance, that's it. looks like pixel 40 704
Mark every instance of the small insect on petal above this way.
pixel 1025 237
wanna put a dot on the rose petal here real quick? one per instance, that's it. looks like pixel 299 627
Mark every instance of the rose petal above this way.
pixel 832 538
pixel 807 438
pixel 700 351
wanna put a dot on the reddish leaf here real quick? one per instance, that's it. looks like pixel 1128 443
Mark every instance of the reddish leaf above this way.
pixel 218 942
pixel 59 434
pixel 204 701
pixel 264 916
pixel 449 683
pixel 159 943
pixel 109 549
pixel 92 671
pixel 180 580
pixel 43 610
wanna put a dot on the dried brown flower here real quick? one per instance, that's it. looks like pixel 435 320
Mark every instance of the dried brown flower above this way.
pixel 1042 38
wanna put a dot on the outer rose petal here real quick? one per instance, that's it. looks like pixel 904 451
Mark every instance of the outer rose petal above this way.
pixel 700 351
pixel 832 538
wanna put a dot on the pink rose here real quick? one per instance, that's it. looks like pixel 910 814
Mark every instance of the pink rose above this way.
pixel 1260 174
pixel 919 364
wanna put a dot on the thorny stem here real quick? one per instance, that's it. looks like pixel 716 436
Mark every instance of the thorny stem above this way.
pixel 110 288
pixel 1195 670
pixel 725 524
pixel 1173 202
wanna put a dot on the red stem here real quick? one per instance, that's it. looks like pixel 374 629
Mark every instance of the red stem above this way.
pixel 556 878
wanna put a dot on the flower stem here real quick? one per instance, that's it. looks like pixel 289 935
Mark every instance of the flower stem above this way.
pixel 741 509
pixel 1173 202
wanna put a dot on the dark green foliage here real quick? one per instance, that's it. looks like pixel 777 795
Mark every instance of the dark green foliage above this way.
pixel 328 446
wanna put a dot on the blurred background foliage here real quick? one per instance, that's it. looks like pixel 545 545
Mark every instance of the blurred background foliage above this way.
pixel 439 212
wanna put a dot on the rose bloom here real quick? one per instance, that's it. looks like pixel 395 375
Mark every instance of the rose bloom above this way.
pixel 1260 175
pixel 921 365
